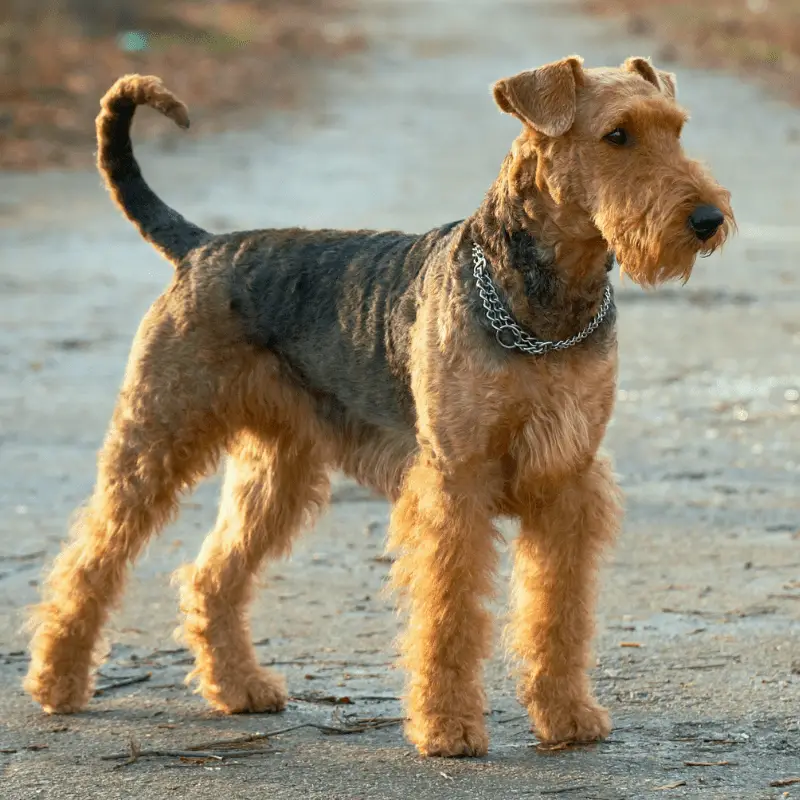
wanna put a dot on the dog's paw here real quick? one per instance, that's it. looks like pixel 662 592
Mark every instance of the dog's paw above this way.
pixel 584 721
pixel 449 738
pixel 257 692
pixel 58 694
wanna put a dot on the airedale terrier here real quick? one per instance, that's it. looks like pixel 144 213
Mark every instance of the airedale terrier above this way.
pixel 466 374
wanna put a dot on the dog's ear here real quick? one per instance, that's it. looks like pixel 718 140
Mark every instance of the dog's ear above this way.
pixel 544 98
pixel 663 81
pixel 669 82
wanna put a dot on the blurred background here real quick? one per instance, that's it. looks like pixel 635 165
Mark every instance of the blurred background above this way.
pixel 758 38
pixel 57 57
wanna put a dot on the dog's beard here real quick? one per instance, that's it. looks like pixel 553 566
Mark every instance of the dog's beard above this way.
pixel 655 244
pixel 649 262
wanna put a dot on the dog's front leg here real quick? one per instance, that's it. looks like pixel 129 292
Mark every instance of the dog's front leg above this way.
pixel 555 576
pixel 442 530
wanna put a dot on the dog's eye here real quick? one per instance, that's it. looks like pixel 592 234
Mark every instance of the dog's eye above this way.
pixel 618 137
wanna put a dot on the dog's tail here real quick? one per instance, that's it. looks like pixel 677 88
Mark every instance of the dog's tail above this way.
pixel 160 225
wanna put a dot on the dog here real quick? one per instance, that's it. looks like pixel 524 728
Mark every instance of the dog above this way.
pixel 466 374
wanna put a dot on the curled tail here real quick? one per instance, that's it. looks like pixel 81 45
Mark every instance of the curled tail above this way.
pixel 159 224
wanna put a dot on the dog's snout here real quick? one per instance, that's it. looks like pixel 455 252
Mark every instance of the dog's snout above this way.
pixel 705 221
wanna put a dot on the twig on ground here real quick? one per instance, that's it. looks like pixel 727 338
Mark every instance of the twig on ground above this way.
pixel 325 700
pixel 194 755
pixel 709 764
pixel 345 700
pixel 159 653
pixel 515 718
pixel 361 726
pixel 249 738
pixel 122 682
pixel 564 789
pixel 132 755
pixel 785 782
pixel 314 662
pixel 668 786
pixel 199 754
pixel 376 698
pixel 217 749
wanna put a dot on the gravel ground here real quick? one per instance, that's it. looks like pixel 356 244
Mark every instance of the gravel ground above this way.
pixel 705 436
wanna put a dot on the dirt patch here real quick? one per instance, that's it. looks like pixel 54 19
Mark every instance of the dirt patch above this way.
pixel 223 57
pixel 757 38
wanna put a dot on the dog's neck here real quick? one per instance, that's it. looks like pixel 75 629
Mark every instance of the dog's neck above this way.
pixel 549 261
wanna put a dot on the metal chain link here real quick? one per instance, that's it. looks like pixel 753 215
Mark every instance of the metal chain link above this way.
pixel 503 323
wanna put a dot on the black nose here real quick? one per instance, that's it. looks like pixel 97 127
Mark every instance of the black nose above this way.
pixel 705 221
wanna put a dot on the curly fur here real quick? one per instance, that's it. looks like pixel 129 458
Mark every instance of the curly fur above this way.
pixel 298 352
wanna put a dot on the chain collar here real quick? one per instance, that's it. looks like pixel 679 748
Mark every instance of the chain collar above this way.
pixel 508 334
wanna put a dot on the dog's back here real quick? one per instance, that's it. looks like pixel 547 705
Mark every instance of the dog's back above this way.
pixel 337 308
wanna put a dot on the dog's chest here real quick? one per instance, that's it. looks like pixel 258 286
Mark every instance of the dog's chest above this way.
pixel 563 413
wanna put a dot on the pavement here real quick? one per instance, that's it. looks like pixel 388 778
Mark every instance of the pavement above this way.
pixel 705 579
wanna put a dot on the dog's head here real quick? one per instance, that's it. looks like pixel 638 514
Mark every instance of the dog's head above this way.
pixel 605 144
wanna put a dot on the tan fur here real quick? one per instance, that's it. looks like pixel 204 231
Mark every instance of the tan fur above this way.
pixel 516 436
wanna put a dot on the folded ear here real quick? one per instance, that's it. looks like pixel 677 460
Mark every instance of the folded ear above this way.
pixel 544 98
pixel 663 81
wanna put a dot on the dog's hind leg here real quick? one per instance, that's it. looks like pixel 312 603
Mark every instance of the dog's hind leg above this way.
pixel 271 488
pixel 169 427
